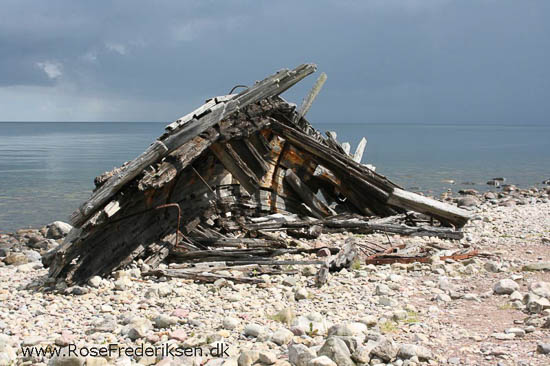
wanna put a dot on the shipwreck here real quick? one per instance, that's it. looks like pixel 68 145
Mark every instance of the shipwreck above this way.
pixel 222 178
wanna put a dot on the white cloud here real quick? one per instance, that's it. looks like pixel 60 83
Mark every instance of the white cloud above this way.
pixel 52 69
pixel 116 47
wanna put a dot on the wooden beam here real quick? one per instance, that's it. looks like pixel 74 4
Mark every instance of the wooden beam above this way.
pixel 308 100
pixel 236 166
pixel 318 208
pixel 429 206
pixel 347 147
pixel 360 150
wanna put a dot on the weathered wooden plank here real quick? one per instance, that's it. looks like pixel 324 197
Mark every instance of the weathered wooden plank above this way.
pixel 429 206
pixel 308 197
pixel 344 258
pixel 236 166
pixel 333 142
pixel 308 100
pixel 360 150
pixel 347 147
pixel 202 277
pixel 252 158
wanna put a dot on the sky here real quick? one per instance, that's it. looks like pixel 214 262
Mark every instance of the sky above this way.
pixel 387 61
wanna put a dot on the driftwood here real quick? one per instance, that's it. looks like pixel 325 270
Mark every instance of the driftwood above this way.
pixel 200 191
pixel 203 277
pixel 386 225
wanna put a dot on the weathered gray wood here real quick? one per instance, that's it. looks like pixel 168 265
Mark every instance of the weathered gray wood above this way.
pixel 197 113
pixel 358 155
pixel 271 86
pixel 202 277
pixel 429 206
pixel 308 100
pixel 242 242
pixel 235 165
pixel 345 258
pixel 333 142
pixel 318 208
pixel 388 225
pixel 347 147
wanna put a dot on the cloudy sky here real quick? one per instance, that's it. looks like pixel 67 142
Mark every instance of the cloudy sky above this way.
pixel 432 61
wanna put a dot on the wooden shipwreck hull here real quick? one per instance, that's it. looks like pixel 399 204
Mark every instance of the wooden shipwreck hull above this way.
pixel 204 183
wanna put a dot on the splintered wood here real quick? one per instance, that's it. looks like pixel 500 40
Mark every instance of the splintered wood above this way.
pixel 217 184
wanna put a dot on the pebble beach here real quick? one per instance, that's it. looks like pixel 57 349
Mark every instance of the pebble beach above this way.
pixel 492 309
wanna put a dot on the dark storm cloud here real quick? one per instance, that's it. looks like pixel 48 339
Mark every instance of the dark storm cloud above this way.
pixel 387 60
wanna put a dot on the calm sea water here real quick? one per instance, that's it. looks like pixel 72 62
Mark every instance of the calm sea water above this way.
pixel 47 169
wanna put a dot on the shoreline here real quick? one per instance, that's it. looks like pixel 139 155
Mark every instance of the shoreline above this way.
pixel 401 314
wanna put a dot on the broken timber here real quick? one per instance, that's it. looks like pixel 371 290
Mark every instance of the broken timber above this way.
pixel 238 159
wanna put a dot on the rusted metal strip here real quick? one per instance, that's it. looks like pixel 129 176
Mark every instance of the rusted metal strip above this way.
pixel 166 205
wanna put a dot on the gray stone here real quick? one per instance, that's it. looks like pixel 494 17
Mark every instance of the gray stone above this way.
pixel 164 291
pixel 385 349
pixel 382 290
pixel 66 359
pixel 7 352
pixel 289 281
pixel 300 355
pixel 492 266
pixel 32 341
pixel 58 230
pixel 123 283
pixel 467 201
pixel 253 330
pixel 247 358
pixel 311 323
pixel 369 320
pixel 32 255
pixel 282 336
pixel 230 323
pixel 77 290
pixel 94 282
pixel 336 349
pixel 543 348
pixel 165 321
pixel 536 306
pixel 541 289
pixel 515 296
pixel 505 287
pixel 348 329
pixel 321 361
pixel 137 328
pixel 517 331
pixel 301 294
pixel 362 353
pixel 267 358
pixel 443 298
pixel 407 351
pixel 503 336
pixel 15 259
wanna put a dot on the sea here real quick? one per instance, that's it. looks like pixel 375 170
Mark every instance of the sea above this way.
pixel 47 168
